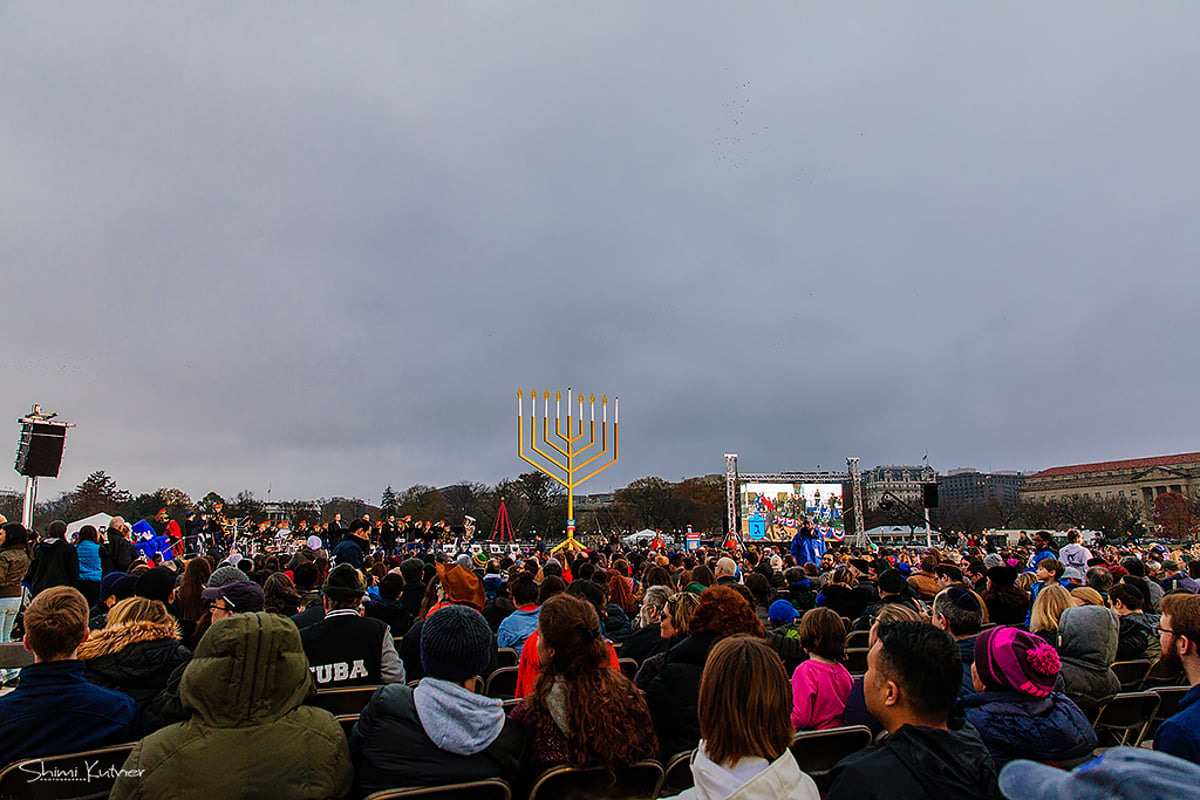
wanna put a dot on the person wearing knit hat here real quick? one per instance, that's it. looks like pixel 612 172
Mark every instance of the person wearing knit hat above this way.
pixel 781 613
pixel 114 587
pixel 156 584
pixel 226 574
pixel 479 561
pixel 993 560
pixel 346 648
pixel 441 731
pixel 1016 708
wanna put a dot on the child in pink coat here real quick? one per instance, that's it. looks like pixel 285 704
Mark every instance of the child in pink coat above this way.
pixel 821 684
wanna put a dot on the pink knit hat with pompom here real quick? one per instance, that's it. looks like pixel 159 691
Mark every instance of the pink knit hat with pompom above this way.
pixel 1010 658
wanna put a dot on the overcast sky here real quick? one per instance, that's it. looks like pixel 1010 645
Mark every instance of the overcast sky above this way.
pixel 317 247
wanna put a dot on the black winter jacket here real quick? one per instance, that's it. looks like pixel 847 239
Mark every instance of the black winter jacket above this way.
pixel 138 659
pixel 1016 725
pixel 55 563
pixel 918 764
pixel 644 642
pixel 674 693
pixel 390 748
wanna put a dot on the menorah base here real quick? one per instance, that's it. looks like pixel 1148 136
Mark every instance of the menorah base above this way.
pixel 570 544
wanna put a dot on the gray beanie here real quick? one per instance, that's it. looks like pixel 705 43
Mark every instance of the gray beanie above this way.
pixel 223 576
pixel 456 644
pixel 993 560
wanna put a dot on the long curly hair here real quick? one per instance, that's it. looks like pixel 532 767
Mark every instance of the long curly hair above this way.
pixel 724 611
pixel 608 719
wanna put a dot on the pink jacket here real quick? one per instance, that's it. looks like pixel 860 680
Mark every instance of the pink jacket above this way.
pixel 819 693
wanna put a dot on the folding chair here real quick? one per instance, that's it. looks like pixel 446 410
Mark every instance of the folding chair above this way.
pixel 858 640
pixel 347 721
pixel 628 666
pixel 640 781
pixel 502 683
pixel 856 660
pixel 102 763
pixel 490 789
pixel 1168 706
pixel 679 773
pixel 817 751
pixel 507 657
pixel 1127 717
pixel 1131 674
pixel 350 700
pixel 1161 674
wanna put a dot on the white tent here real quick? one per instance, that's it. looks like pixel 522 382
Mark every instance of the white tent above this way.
pixel 896 532
pixel 644 536
pixel 100 520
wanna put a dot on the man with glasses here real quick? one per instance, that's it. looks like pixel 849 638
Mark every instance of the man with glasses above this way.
pixel 1179 635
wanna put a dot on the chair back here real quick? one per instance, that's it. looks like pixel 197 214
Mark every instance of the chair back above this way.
pixel 490 789
pixel 347 721
pixel 13 655
pixel 640 781
pixel 1127 717
pixel 502 683
pixel 856 660
pixel 817 751
pixel 628 666
pixel 678 773
pixel 1162 674
pixel 349 700
pixel 1168 701
pixel 858 639
pixel 1131 674
pixel 96 771
pixel 507 657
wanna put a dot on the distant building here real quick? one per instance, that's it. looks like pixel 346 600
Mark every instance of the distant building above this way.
pixel 293 511
pixel 594 502
pixel 970 485
pixel 1140 479
pixel 901 482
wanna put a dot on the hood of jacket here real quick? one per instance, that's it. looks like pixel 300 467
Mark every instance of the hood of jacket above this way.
pixel 1087 637
pixel 116 638
pixel 780 778
pixel 456 719
pixel 248 669
pixel 948 763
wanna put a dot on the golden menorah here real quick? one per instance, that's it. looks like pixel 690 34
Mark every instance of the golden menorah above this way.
pixel 567 446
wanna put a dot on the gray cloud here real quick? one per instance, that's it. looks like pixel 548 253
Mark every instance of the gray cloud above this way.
pixel 318 248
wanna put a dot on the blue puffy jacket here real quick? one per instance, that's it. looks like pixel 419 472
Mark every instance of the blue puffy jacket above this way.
pixel 1015 725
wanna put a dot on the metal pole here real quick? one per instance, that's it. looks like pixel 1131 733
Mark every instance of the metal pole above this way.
pixel 928 532
pixel 30 499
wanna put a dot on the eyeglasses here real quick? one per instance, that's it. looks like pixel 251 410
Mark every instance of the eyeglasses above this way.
pixel 1160 630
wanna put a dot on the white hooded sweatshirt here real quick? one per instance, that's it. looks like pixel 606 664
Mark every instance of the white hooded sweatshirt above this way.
pixel 749 779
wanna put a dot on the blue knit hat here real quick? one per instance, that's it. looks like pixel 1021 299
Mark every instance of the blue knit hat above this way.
pixel 456 643
pixel 781 612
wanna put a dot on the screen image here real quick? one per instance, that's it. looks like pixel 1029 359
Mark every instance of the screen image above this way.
pixel 777 510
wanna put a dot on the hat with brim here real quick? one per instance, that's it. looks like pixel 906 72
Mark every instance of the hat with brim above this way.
pixel 241 596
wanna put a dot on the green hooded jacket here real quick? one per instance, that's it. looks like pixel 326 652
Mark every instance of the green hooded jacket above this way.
pixel 250 736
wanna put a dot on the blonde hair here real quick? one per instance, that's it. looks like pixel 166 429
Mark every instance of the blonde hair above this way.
pixel 1051 602
pixel 1087 596
pixel 139 609
pixel 1025 580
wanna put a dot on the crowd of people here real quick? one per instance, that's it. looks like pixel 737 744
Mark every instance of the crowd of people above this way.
pixel 984 670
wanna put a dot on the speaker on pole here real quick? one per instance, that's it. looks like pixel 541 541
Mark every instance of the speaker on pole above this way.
pixel 929 494
pixel 40 449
